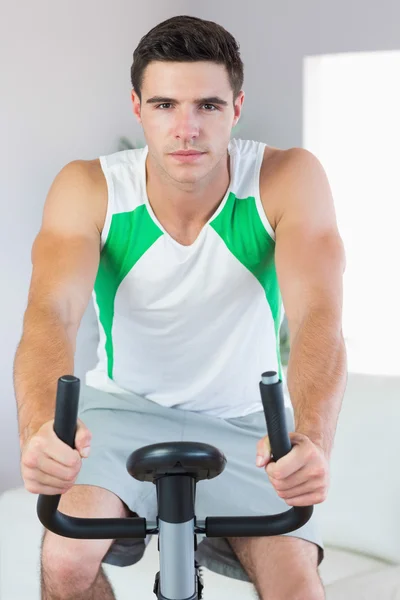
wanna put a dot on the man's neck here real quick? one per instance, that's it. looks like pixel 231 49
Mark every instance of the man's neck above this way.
pixel 186 205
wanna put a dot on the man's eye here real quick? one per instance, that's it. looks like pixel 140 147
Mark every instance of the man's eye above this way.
pixel 169 104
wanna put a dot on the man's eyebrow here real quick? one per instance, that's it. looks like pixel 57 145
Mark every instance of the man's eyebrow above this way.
pixel 210 100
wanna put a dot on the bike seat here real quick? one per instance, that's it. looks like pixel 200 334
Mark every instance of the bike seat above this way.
pixel 199 460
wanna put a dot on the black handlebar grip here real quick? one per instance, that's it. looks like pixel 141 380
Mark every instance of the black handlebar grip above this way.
pixel 274 411
pixel 67 404
pixel 284 522
pixel 65 425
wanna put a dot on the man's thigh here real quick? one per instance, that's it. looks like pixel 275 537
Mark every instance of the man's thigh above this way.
pixel 92 501
pixel 281 567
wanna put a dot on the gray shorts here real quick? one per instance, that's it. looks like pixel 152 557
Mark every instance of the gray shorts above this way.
pixel 121 423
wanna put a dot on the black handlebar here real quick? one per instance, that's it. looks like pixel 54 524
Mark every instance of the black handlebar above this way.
pixel 295 517
pixel 65 424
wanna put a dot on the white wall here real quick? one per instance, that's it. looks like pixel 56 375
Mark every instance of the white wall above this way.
pixel 65 94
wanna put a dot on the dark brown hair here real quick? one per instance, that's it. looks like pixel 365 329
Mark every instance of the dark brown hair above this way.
pixel 188 39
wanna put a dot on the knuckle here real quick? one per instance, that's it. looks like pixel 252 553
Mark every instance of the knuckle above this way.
pixel 311 452
pixel 319 496
pixel 74 461
pixel 318 471
pixel 30 460
pixel 31 486
pixel 71 477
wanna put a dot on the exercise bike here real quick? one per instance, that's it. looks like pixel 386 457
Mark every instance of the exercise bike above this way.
pixel 174 468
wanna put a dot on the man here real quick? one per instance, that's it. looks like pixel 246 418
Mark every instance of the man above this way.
pixel 187 246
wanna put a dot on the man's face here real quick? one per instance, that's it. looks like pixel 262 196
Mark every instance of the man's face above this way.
pixel 185 122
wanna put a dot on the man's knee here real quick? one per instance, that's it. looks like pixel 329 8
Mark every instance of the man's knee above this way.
pixel 311 590
pixel 281 567
pixel 71 562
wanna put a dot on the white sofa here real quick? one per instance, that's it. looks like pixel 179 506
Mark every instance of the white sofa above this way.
pixel 360 520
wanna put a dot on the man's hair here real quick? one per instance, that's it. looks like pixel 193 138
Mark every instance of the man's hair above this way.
pixel 188 39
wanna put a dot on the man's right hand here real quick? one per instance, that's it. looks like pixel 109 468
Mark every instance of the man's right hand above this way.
pixel 48 465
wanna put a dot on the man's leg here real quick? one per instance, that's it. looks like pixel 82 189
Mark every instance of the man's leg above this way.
pixel 99 590
pixel 71 568
pixel 281 567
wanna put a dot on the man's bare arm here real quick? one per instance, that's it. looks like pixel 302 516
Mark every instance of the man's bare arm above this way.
pixel 65 257
pixel 310 262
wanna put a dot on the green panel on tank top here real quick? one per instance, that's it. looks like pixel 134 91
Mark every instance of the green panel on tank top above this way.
pixel 131 235
pixel 240 227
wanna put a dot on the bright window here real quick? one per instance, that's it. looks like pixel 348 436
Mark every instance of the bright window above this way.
pixel 352 124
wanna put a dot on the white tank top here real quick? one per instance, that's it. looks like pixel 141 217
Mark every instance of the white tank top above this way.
pixel 191 327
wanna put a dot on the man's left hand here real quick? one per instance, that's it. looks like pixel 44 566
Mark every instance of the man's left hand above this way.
pixel 301 478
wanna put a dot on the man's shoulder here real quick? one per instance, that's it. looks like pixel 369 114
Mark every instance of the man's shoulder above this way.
pixel 279 169
pixel 90 168
pixel 277 160
pixel 89 173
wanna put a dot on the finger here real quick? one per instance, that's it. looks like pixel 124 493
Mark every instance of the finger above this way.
pixel 59 451
pixel 55 469
pixel 263 452
pixel 83 437
pixel 298 478
pixel 307 499
pixel 299 490
pixel 289 464
pixel 37 488
pixel 63 455
pixel 50 481
pixel 39 479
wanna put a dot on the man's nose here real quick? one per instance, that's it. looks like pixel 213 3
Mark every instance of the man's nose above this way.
pixel 186 125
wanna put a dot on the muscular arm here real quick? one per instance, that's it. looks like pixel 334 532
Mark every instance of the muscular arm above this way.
pixel 310 261
pixel 65 257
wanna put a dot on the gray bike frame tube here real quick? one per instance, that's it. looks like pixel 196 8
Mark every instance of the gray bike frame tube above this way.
pixel 177 569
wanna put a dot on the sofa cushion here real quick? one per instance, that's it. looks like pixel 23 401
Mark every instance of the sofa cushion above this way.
pixel 382 584
pixel 361 511
pixel 341 564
